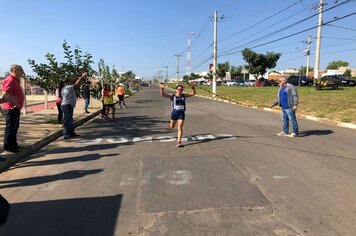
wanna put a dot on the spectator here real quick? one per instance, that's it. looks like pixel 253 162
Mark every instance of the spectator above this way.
pixel 108 100
pixel 59 102
pixel 86 96
pixel 12 102
pixel 287 99
pixel 121 95
pixel 69 100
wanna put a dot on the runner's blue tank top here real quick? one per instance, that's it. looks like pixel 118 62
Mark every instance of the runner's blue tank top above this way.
pixel 178 103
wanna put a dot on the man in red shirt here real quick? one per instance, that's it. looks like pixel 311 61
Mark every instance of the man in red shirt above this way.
pixel 11 103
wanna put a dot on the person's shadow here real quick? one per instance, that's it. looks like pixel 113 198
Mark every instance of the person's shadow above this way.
pixel 315 132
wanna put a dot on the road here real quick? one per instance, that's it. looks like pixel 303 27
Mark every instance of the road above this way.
pixel 233 176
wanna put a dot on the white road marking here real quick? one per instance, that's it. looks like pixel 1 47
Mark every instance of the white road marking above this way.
pixel 138 139
pixel 160 139
pixel 166 139
pixel 280 177
pixel 91 141
pixel 178 177
pixel 120 140
pixel 205 137
pixel 128 180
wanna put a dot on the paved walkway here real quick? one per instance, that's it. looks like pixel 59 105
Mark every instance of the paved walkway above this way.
pixel 40 128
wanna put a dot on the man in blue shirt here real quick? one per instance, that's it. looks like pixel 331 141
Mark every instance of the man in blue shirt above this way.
pixel 287 99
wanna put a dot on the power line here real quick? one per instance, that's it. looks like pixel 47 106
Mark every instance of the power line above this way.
pixel 289 26
pixel 288 36
pixel 261 21
pixel 341 27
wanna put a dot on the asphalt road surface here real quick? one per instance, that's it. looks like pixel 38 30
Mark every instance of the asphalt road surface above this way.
pixel 233 176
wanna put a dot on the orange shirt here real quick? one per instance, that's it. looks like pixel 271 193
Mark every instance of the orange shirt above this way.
pixel 120 90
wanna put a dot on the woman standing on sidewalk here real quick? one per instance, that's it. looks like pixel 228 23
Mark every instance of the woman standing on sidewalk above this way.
pixel 178 108
pixel 59 102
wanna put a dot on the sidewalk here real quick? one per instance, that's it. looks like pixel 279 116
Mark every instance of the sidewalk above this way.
pixel 40 128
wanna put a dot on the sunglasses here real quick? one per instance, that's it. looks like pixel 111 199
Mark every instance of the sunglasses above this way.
pixel 180 89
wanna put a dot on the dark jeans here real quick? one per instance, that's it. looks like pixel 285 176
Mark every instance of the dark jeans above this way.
pixel 86 105
pixel 12 119
pixel 68 128
pixel 60 113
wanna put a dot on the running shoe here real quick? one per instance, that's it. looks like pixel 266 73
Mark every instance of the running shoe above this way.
pixel 282 134
pixel 179 144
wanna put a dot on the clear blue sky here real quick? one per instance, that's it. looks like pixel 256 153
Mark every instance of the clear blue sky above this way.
pixel 144 35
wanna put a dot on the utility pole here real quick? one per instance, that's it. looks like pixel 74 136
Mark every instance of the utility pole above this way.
pixel 308 54
pixel 215 51
pixel 166 73
pixel 318 40
pixel 178 58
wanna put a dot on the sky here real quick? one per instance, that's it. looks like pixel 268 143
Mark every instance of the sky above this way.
pixel 145 35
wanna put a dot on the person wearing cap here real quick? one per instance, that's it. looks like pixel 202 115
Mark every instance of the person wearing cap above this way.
pixel 287 99
pixel 121 95
pixel 12 102
pixel 178 108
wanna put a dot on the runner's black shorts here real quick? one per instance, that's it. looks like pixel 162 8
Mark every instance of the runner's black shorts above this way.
pixel 178 115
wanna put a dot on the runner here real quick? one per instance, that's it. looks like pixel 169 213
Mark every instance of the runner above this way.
pixel 178 108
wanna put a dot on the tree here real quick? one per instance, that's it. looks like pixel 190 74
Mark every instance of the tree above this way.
pixel 259 63
pixel 303 70
pixel 49 74
pixel 348 73
pixel 222 69
pixel 127 77
pixel 335 65
pixel 236 72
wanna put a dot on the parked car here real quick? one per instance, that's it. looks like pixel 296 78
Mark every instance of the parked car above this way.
pixel 303 80
pixel 240 83
pixel 251 82
pixel 346 81
pixel 330 81
pixel 231 83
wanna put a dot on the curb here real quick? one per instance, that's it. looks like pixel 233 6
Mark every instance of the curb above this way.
pixel 12 159
pixel 307 117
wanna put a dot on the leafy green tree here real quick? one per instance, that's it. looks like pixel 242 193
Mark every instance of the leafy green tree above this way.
pixel 222 69
pixel 236 72
pixel 49 74
pixel 348 73
pixel 127 77
pixel 334 65
pixel 259 63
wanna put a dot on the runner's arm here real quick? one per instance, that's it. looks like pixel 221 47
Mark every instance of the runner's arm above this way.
pixel 193 92
pixel 163 94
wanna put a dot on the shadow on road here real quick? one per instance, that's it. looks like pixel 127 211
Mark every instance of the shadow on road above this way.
pixel 58 161
pixel 315 132
pixel 73 174
pixel 125 126
pixel 81 216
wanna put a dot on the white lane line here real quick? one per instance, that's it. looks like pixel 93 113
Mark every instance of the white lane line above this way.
pixel 91 141
pixel 120 140
pixel 280 177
